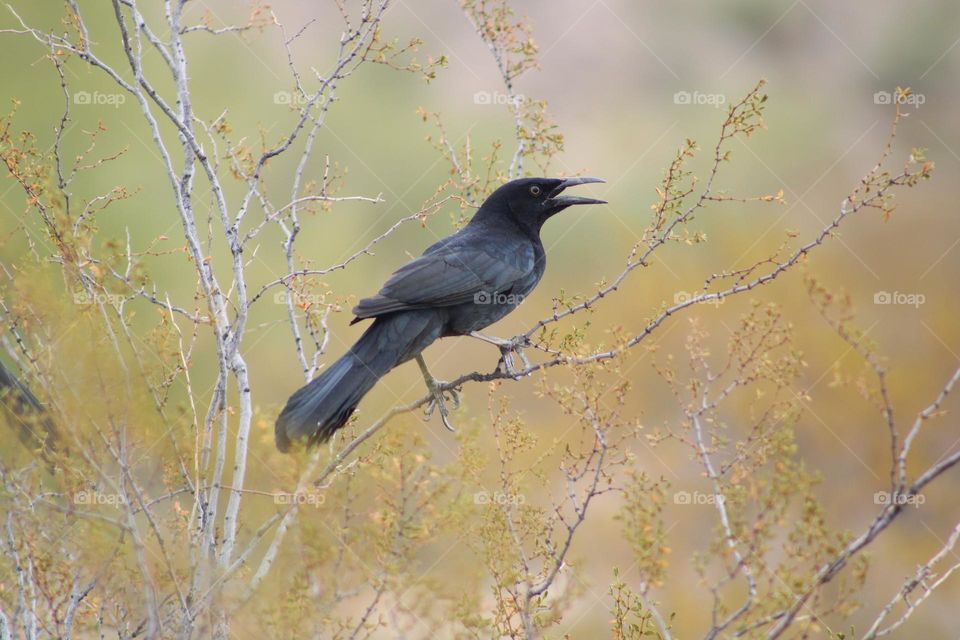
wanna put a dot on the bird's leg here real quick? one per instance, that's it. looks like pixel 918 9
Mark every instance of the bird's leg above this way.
pixel 438 401
pixel 507 348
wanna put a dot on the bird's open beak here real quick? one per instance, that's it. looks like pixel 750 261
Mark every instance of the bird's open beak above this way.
pixel 555 200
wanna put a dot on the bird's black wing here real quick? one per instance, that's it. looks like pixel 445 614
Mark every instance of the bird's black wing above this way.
pixel 448 277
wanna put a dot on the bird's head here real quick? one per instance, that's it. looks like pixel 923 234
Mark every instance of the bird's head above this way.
pixel 532 201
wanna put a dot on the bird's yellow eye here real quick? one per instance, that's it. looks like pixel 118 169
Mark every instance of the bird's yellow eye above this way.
pixel 534 190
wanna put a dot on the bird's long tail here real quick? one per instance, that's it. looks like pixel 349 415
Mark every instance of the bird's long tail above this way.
pixel 317 410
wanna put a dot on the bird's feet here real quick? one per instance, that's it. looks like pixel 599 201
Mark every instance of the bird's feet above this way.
pixel 508 348
pixel 438 399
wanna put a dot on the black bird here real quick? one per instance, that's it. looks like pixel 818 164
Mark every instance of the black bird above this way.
pixel 460 285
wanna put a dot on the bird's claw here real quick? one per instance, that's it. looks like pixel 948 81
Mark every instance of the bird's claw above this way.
pixel 510 348
pixel 438 401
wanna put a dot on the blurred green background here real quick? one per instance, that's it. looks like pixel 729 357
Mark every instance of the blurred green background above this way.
pixel 611 71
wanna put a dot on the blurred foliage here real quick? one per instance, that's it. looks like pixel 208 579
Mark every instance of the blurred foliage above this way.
pixel 516 525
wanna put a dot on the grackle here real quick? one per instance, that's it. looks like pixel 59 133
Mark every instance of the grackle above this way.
pixel 461 284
